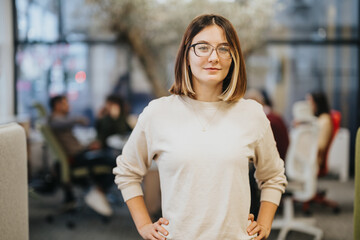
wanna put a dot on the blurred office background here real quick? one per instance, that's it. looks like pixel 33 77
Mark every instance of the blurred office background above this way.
pixel 88 49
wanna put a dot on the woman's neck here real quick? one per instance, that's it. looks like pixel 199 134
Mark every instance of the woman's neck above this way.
pixel 207 93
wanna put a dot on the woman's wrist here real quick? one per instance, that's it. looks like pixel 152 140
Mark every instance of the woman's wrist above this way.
pixel 265 228
pixel 141 225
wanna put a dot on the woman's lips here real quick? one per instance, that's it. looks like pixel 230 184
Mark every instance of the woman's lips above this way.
pixel 212 69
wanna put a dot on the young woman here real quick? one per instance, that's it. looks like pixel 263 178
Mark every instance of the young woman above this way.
pixel 321 109
pixel 202 138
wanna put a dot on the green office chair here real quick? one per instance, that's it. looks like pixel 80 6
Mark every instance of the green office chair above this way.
pixel 357 188
pixel 68 175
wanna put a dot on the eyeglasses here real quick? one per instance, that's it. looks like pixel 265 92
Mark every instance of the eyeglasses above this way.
pixel 205 50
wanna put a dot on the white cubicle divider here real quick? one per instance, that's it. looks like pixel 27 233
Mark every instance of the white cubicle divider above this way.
pixel 338 158
pixel 14 217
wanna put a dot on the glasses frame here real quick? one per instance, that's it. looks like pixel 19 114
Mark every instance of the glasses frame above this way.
pixel 213 48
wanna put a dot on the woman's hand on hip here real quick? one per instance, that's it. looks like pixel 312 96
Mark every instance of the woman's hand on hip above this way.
pixel 256 228
pixel 151 231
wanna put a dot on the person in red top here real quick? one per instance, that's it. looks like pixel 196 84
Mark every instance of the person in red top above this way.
pixel 277 123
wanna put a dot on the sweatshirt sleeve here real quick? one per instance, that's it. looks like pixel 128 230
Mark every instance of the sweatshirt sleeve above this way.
pixel 270 170
pixel 134 162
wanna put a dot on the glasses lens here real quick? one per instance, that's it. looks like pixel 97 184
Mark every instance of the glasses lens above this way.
pixel 223 51
pixel 203 49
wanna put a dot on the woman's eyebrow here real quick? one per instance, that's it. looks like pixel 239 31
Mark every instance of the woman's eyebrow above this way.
pixel 203 41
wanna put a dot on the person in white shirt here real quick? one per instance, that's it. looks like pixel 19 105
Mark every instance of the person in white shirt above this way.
pixel 202 138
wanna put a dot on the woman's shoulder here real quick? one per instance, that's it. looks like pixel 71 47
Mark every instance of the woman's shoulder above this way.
pixel 158 106
pixel 162 102
pixel 251 113
pixel 157 109
pixel 325 119
pixel 249 105
pixel 325 116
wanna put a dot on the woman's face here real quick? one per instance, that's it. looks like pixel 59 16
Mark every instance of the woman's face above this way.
pixel 209 70
pixel 311 101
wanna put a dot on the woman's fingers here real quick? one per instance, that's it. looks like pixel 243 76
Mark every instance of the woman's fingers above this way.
pixel 153 238
pixel 160 229
pixel 251 217
pixel 163 221
pixel 152 232
pixel 253 228
pixel 157 236
pixel 262 233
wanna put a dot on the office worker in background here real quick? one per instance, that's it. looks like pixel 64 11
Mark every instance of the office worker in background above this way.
pixel 321 109
pixel 202 138
pixel 277 123
pixel 112 119
pixel 90 156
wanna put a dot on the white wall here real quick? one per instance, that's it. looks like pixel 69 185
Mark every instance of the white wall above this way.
pixel 6 62
pixel 107 64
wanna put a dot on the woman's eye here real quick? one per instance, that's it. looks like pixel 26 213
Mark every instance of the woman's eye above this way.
pixel 224 49
pixel 203 48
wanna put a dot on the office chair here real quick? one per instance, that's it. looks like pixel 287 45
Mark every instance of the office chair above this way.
pixel 67 175
pixel 320 197
pixel 301 170
pixel 338 157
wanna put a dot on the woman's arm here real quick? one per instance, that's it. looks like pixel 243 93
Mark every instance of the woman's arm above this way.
pixel 325 135
pixel 63 122
pixel 131 167
pixel 145 227
pixel 271 180
pixel 265 219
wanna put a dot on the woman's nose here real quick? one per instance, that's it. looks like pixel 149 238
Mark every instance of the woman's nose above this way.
pixel 213 56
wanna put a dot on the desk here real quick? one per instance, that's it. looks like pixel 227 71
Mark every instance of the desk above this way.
pixel 85 135
pixel 117 141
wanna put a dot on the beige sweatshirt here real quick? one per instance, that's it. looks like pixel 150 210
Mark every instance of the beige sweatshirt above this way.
pixel 203 174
